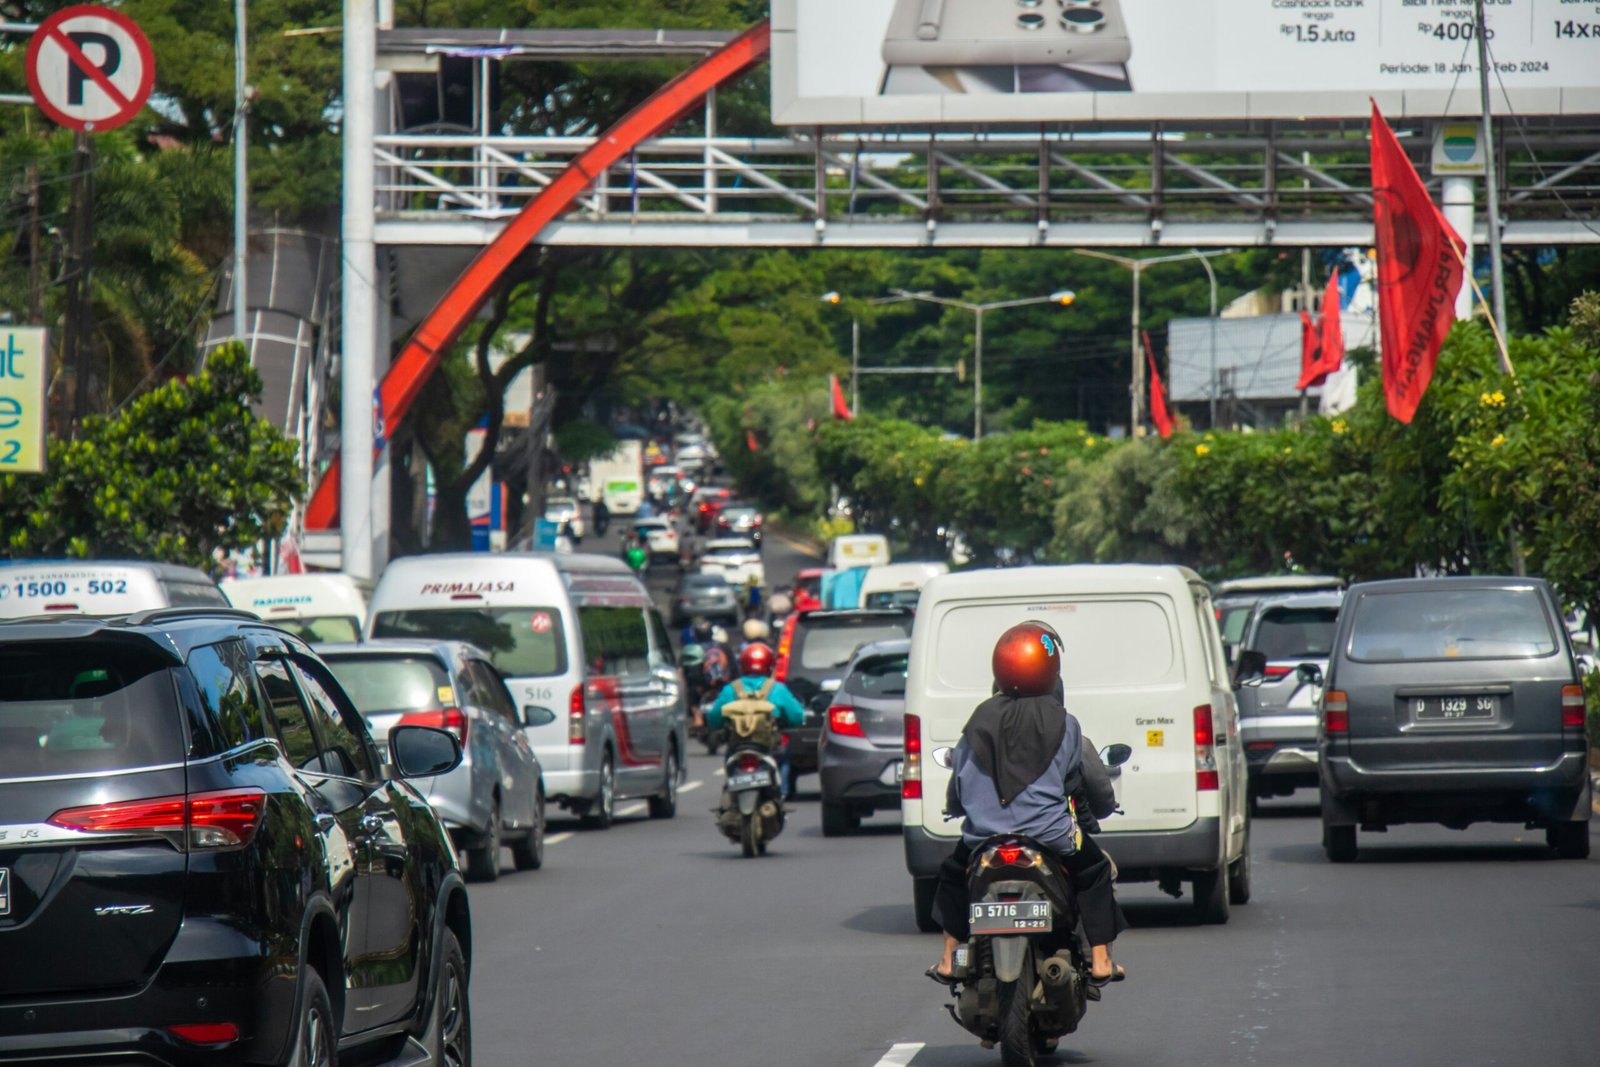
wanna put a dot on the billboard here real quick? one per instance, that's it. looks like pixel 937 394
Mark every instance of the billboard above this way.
pixel 885 62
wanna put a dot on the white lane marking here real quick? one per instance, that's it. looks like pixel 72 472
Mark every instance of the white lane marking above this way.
pixel 631 809
pixel 687 786
pixel 556 839
pixel 901 1054
pixel 719 772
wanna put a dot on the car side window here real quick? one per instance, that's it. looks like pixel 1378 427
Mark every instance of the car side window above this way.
pixel 344 752
pixel 616 640
pixel 660 644
pixel 229 699
pixel 289 715
pixel 490 691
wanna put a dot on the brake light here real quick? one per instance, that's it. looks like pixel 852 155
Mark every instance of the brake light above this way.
pixel 1276 672
pixel 747 763
pixel 911 768
pixel 1573 707
pixel 452 719
pixel 225 818
pixel 1009 854
pixel 1205 751
pixel 1335 712
pixel 205 1033
pixel 785 646
pixel 576 724
pixel 842 720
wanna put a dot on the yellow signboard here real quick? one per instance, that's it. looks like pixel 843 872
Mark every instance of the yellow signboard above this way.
pixel 22 399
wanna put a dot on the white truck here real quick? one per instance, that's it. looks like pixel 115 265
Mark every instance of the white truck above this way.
pixel 618 479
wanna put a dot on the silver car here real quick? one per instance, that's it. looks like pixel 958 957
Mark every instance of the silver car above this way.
pixel 496 796
pixel 859 751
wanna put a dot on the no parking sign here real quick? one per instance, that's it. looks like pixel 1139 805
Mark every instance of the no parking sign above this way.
pixel 90 68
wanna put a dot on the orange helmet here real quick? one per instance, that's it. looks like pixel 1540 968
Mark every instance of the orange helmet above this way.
pixel 757 659
pixel 1027 660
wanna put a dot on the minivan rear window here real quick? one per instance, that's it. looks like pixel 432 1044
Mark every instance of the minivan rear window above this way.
pixel 879 676
pixel 1435 624
pixel 1106 644
pixel 379 685
pixel 521 642
pixel 85 707
pixel 825 645
pixel 1296 633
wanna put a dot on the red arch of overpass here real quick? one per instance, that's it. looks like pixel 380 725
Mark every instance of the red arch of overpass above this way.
pixel 435 334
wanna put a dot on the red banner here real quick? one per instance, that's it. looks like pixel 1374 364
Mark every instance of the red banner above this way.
pixel 1322 344
pixel 1158 396
pixel 841 410
pixel 1419 272
pixel 1310 354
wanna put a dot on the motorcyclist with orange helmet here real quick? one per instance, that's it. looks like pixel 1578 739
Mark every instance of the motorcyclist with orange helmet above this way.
pixel 756 664
pixel 1020 762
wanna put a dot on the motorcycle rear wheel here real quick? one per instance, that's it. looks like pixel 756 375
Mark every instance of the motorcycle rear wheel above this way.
pixel 1016 1030
pixel 747 835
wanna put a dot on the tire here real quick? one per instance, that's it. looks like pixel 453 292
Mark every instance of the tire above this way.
pixel 316 1036
pixel 747 835
pixel 712 742
pixel 528 854
pixel 1211 896
pixel 665 804
pixel 483 862
pixel 923 891
pixel 1239 878
pixel 1016 1031
pixel 1339 843
pixel 602 810
pixel 449 1035
pixel 838 820
pixel 1569 839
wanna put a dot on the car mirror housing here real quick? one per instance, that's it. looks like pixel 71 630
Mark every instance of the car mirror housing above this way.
pixel 423 752
pixel 1116 755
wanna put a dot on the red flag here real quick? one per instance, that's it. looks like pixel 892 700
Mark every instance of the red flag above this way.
pixel 1331 329
pixel 289 561
pixel 1419 272
pixel 1158 396
pixel 750 441
pixel 841 410
pixel 1310 354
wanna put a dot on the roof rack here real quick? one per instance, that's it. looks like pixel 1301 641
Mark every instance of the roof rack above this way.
pixel 151 615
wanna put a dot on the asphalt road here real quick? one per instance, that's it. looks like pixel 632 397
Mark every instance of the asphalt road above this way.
pixel 654 942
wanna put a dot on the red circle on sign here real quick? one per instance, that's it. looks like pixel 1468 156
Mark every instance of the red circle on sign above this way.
pixel 540 623
pixel 128 105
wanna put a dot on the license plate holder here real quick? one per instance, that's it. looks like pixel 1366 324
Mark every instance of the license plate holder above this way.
pixel 1010 917
pixel 749 780
pixel 1466 707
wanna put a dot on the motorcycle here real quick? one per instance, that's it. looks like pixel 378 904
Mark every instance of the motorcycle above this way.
pixel 1022 980
pixel 751 813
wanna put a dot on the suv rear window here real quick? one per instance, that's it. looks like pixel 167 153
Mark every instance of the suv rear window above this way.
pixel 323 629
pixel 824 645
pixel 378 685
pixel 1450 624
pixel 1296 633
pixel 82 707
pixel 879 676
pixel 892 598
pixel 522 642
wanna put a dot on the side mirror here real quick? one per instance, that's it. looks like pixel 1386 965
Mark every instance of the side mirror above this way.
pixel 1251 668
pixel 422 751
pixel 1116 755
pixel 1309 674
pixel 534 715
pixel 944 757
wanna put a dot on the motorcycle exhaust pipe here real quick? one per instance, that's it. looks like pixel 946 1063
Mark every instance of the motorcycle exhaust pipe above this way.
pixel 769 810
pixel 1056 971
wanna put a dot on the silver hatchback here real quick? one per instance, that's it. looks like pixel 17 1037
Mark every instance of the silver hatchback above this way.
pixel 496 796
pixel 859 751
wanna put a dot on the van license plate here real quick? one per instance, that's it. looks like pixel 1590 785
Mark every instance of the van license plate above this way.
pixel 1010 916
pixel 749 780
pixel 1454 708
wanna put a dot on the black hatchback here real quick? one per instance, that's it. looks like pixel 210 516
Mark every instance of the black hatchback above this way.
pixel 204 859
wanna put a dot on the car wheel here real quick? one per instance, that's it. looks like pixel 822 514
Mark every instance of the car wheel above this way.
pixel 450 1028
pixel 923 891
pixel 483 862
pixel 838 820
pixel 1211 896
pixel 1569 839
pixel 316 1039
pixel 603 809
pixel 1339 843
pixel 1239 877
pixel 528 854
pixel 664 805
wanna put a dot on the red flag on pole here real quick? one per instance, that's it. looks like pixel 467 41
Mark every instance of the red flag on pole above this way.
pixel 841 410
pixel 1322 344
pixel 1310 354
pixel 1419 272
pixel 1158 396
pixel 750 441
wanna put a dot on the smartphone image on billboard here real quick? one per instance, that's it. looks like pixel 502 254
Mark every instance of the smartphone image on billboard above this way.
pixel 1006 33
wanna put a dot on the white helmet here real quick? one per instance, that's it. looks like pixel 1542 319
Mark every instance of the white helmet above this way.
pixel 756 630
pixel 780 604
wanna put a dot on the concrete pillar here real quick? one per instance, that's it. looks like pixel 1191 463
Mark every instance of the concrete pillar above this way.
pixel 1457 205
pixel 359 291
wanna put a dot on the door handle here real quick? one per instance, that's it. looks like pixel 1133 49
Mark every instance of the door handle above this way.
pixel 372 825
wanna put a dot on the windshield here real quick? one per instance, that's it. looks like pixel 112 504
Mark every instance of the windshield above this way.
pixel 879 676
pixel 381 684
pixel 1296 633
pixel 323 629
pixel 521 642
pixel 825 646
pixel 729 550
pixel 1451 624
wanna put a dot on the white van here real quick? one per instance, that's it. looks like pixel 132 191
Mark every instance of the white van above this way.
pixel 858 550
pixel 898 585
pixel 319 608
pixel 1142 664
pixel 101 587
pixel 584 653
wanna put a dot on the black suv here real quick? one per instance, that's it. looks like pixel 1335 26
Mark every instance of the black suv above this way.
pixel 203 858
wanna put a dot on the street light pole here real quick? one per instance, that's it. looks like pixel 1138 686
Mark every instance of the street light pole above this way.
pixel 855 365
pixel 977 376
pixel 241 179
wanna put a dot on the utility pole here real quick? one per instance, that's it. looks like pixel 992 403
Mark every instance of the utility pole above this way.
pixel 1491 172
pixel 1136 358
pixel 241 180
pixel 80 243
pixel 855 365
pixel 977 375
pixel 35 284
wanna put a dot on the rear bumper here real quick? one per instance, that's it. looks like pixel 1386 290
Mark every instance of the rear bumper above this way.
pixel 210 963
pixel 855 774
pixel 1140 856
pixel 572 785
pixel 925 851
pixel 1345 776
pixel 1285 761
pixel 1353 794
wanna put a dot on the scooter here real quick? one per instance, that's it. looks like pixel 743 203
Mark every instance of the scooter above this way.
pixel 751 813
pixel 1022 980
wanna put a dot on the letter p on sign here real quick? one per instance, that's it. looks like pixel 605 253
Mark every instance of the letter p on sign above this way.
pixel 90 68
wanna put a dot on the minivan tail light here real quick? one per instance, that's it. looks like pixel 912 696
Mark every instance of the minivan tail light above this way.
pixel 1573 706
pixel 222 819
pixel 842 720
pixel 452 719
pixel 577 726
pixel 911 768
pixel 1205 750
pixel 1335 712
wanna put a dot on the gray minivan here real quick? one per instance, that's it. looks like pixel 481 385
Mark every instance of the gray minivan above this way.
pixel 1453 701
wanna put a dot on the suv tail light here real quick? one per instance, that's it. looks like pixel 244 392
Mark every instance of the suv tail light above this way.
pixel 223 819
pixel 911 769
pixel 842 721
pixel 1573 707
pixel 452 719
pixel 1205 750
pixel 1335 712
pixel 785 647
pixel 1276 672
pixel 205 1033
pixel 576 720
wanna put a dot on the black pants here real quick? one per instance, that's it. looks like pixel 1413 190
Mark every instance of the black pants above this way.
pixel 1089 869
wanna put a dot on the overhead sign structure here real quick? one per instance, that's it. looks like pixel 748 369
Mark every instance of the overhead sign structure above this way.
pixel 23 377
pixel 90 68
pixel 891 62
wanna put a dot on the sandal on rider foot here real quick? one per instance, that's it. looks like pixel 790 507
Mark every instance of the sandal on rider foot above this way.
pixel 949 980
pixel 1117 975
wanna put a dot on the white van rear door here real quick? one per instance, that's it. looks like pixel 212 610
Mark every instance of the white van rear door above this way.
pixel 1126 681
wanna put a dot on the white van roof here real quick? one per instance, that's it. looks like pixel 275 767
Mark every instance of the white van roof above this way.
pixel 505 578
pixel 299 596
pixel 901 575
pixel 101 587
pixel 1108 578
